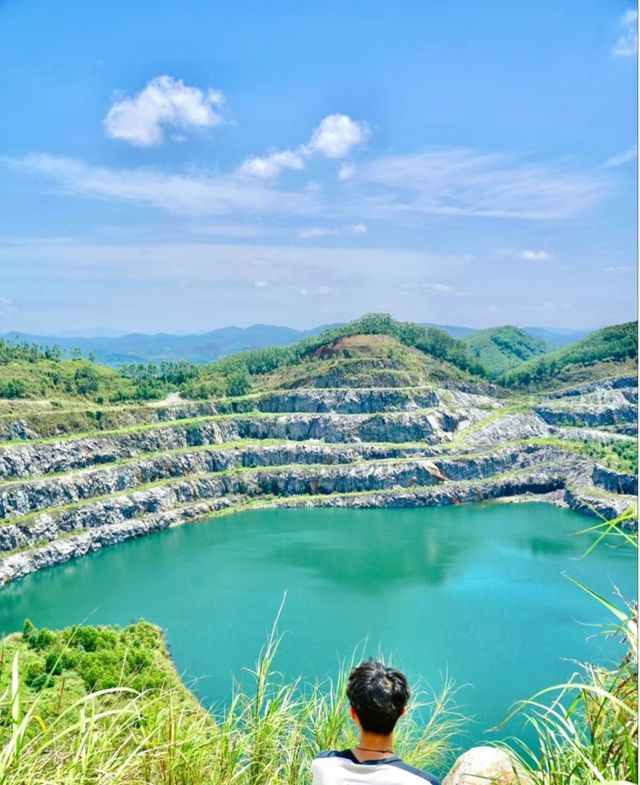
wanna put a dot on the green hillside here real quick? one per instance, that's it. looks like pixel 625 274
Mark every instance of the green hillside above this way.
pixel 410 354
pixel 394 354
pixel 499 349
pixel 373 351
pixel 606 352
pixel 28 371
pixel 365 360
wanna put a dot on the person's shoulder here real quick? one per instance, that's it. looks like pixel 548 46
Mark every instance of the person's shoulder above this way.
pixel 334 754
pixel 418 773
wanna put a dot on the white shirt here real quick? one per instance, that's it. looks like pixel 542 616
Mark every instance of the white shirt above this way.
pixel 343 768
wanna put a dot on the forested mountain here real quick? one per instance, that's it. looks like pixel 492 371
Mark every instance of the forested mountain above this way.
pixel 592 357
pixel 499 349
pixel 120 350
pixel 373 351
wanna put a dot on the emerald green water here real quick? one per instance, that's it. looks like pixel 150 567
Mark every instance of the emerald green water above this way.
pixel 475 591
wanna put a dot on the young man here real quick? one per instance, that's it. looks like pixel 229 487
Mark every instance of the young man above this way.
pixel 378 696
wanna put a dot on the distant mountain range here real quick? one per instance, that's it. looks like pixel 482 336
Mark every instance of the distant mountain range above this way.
pixel 205 347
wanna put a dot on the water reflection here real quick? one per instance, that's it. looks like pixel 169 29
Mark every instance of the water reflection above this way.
pixel 547 546
pixel 363 552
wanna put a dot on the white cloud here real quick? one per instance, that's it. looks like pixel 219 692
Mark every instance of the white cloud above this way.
pixel 7 307
pixel 316 290
pixel 627 43
pixel 462 182
pixel 337 135
pixel 619 269
pixel 270 166
pixel 454 183
pixel 316 231
pixel 622 158
pixel 346 172
pixel 260 284
pixel 439 288
pixel 536 256
pixel 445 288
pixel 323 231
pixel 175 193
pixel 164 101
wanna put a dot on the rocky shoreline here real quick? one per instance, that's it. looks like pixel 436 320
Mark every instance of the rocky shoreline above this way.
pixel 539 486
pixel 61 498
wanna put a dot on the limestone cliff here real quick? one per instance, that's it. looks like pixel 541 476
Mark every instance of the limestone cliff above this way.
pixel 65 491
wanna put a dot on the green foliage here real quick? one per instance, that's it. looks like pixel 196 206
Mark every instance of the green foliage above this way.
pixel 627 453
pixel 213 387
pixel 87 380
pixel 502 348
pixel 238 384
pixel 13 388
pixel 612 344
pixel 621 455
pixel 58 727
pixel 173 374
pixel 433 343
pixel 103 657
pixel 41 373
pixel 11 351
pixel 46 379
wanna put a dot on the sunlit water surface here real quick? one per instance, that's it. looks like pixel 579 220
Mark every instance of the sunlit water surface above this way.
pixel 477 592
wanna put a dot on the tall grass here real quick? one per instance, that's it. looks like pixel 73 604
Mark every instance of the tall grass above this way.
pixel 267 735
pixel 587 728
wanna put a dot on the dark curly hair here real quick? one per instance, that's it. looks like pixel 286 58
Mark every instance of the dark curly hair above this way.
pixel 378 696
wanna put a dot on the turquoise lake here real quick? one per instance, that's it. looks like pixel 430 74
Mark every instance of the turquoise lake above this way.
pixel 478 592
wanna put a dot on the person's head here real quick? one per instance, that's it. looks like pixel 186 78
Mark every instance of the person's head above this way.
pixel 378 696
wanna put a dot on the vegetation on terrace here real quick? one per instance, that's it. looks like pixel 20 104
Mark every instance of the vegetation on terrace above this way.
pixel 621 455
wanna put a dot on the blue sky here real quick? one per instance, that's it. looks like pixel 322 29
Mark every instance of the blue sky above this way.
pixel 181 167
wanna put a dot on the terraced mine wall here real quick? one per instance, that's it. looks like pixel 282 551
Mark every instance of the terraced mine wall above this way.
pixel 66 495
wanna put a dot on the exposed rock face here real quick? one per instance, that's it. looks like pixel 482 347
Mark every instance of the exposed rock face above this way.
pixel 63 497
pixel 615 482
pixel 593 416
pixel 22 497
pixel 508 428
pixel 61 550
pixel 16 429
pixel 349 401
pixel 60 456
pixel 627 383
pixel 604 508
pixel 610 402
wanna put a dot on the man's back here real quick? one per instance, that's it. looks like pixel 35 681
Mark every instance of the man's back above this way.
pixel 343 768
